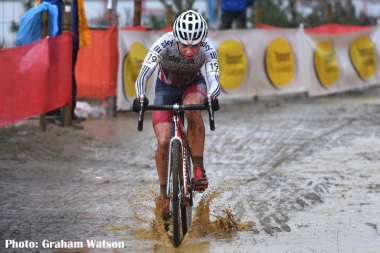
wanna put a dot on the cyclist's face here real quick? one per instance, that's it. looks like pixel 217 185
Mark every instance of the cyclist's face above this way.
pixel 189 51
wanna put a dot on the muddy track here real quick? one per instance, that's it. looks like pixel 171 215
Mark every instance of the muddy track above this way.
pixel 286 174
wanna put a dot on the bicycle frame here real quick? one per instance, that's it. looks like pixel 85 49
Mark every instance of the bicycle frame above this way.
pixel 179 176
pixel 179 133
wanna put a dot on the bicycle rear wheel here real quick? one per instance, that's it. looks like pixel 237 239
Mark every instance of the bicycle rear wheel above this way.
pixel 176 200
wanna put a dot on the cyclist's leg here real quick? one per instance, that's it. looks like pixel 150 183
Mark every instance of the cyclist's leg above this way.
pixel 195 125
pixel 163 133
pixel 163 130
pixel 195 94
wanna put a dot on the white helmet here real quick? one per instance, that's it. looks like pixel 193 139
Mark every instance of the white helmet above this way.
pixel 190 28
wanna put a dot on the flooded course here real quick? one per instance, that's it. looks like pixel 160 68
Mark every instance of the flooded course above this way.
pixel 287 174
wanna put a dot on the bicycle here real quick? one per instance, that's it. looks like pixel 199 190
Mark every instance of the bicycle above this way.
pixel 179 179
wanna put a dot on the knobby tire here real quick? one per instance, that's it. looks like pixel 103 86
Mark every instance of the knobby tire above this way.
pixel 186 212
pixel 176 202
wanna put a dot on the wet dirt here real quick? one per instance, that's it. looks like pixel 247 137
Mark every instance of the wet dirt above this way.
pixel 287 174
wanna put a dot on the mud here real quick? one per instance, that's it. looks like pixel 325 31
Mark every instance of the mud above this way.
pixel 287 174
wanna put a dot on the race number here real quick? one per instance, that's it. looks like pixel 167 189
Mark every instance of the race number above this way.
pixel 152 59
pixel 212 67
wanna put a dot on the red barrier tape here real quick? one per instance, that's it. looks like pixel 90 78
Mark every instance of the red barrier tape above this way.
pixel 336 29
pixel 326 29
pixel 35 78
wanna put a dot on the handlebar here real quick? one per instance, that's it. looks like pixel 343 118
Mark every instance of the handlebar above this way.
pixel 176 107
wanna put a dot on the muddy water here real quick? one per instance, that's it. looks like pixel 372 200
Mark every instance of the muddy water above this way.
pixel 286 175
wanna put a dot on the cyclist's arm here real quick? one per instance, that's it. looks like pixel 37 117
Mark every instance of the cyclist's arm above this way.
pixel 212 71
pixel 149 65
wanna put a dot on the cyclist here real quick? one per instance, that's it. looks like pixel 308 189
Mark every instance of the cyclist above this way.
pixel 180 55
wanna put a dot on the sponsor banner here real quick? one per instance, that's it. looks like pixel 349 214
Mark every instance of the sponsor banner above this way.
pixel 260 62
pixel 252 62
pixel 276 61
pixel 234 64
pixel 338 63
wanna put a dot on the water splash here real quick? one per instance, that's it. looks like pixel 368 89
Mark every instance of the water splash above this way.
pixel 147 211
pixel 205 221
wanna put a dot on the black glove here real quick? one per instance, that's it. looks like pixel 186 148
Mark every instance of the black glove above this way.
pixel 214 103
pixel 137 104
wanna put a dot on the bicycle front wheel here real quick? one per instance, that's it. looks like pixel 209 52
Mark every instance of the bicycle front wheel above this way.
pixel 176 199
pixel 186 209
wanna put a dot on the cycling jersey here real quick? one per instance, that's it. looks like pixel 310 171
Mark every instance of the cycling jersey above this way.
pixel 176 70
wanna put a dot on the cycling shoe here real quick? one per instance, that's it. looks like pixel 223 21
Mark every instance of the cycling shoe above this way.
pixel 200 179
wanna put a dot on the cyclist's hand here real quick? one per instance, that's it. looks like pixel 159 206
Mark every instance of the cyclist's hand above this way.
pixel 214 103
pixel 137 104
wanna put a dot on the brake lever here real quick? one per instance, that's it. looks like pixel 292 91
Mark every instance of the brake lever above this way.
pixel 211 114
pixel 141 115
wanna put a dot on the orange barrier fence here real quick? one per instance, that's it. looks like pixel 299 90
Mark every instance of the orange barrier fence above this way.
pixel 96 68
pixel 35 78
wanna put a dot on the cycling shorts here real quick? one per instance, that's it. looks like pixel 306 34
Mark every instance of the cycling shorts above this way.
pixel 169 95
